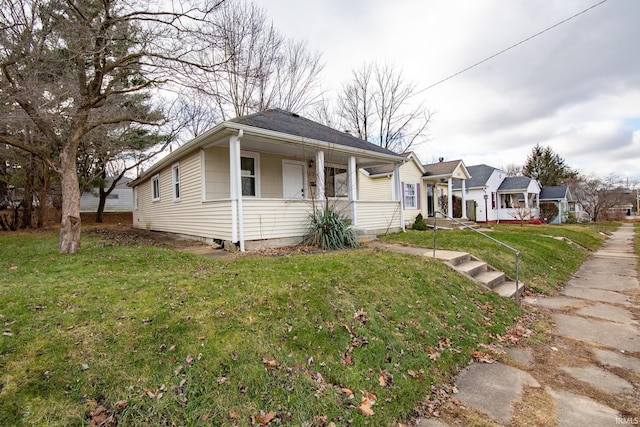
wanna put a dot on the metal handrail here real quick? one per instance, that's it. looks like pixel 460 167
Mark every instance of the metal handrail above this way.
pixel 517 252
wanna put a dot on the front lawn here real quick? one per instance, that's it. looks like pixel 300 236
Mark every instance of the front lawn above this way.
pixel 143 335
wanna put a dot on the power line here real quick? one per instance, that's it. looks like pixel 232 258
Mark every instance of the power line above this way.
pixel 510 47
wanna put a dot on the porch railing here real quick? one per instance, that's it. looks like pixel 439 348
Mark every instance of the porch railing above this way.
pixel 515 251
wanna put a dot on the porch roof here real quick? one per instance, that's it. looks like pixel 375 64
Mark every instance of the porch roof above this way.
pixel 555 192
pixel 446 169
pixel 515 183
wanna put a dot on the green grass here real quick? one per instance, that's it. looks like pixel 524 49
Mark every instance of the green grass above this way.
pixel 546 262
pixel 189 341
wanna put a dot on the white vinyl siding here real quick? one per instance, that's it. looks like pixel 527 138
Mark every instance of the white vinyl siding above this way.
pixel 191 216
pixel 378 188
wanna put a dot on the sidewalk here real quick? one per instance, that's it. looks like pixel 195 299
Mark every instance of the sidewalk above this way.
pixel 587 374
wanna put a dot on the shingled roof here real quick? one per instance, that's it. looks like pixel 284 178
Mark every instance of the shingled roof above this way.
pixel 279 120
pixel 480 174
pixel 441 168
pixel 513 183
pixel 555 192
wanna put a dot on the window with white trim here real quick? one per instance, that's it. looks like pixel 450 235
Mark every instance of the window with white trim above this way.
pixel 336 181
pixel 155 188
pixel 175 174
pixel 250 174
pixel 410 196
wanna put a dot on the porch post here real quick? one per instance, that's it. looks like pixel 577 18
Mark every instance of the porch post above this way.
pixel 464 199
pixel 526 200
pixel 397 183
pixel 449 198
pixel 235 178
pixel 353 189
pixel 233 186
pixel 320 176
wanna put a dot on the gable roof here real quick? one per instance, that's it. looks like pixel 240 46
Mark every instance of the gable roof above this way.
pixel 480 174
pixel 441 168
pixel 513 183
pixel 282 121
pixel 556 192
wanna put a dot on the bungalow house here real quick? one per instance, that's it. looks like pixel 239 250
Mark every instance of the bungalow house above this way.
pixel 425 189
pixel 254 181
pixel 560 197
pixel 498 197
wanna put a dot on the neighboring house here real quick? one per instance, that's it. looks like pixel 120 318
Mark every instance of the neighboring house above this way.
pixel 439 178
pixel 422 187
pixel 119 200
pixel 498 197
pixel 255 180
pixel 561 197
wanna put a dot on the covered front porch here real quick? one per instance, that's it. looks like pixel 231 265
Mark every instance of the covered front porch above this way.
pixel 438 183
pixel 268 186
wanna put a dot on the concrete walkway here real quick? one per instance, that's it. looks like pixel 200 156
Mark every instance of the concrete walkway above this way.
pixel 587 374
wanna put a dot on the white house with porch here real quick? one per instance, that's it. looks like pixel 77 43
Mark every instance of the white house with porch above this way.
pixel 425 189
pixel 255 180
pixel 497 197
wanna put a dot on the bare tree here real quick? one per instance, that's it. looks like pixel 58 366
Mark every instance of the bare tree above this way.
pixel 69 64
pixel 260 68
pixel 377 104
pixel 513 170
pixel 521 213
pixel 598 195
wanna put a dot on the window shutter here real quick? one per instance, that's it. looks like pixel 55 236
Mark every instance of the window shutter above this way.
pixel 418 206
pixel 402 190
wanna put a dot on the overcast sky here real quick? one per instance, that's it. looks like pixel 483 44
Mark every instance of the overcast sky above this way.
pixel 575 88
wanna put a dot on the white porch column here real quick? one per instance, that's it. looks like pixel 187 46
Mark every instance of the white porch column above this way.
pixel 235 186
pixel 449 198
pixel 464 199
pixel 526 200
pixel 397 184
pixel 320 176
pixel 352 188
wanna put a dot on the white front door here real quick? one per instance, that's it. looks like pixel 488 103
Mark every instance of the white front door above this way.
pixel 293 179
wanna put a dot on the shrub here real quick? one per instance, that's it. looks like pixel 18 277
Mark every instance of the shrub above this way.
pixel 419 223
pixel 330 230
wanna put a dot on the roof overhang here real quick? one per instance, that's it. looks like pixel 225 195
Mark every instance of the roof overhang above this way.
pixel 254 139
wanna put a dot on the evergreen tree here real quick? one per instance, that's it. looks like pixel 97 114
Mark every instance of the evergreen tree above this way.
pixel 547 167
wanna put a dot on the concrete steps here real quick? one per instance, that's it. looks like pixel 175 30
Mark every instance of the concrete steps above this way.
pixel 462 262
pixel 480 272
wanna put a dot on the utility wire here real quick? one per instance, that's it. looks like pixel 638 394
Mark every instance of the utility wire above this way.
pixel 510 47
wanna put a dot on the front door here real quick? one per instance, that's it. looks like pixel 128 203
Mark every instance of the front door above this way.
pixel 293 179
pixel 430 200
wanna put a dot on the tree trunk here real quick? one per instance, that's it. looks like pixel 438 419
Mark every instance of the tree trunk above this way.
pixel 27 201
pixel 102 196
pixel 101 204
pixel 70 225
pixel 44 187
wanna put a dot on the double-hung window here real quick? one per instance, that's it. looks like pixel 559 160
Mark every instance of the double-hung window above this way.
pixel 336 182
pixel 175 174
pixel 155 188
pixel 410 193
pixel 250 174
